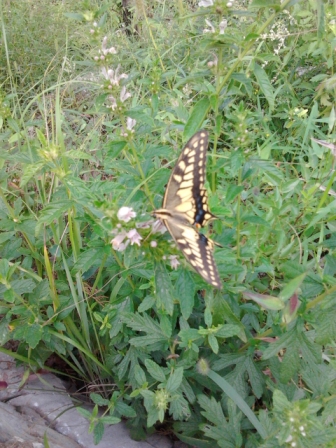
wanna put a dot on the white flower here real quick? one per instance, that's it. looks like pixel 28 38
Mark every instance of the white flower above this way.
pixel 126 214
pixel 134 237
pixel 205 3
pixel 222 26
pixel 113 76
pixel 124 95
pixel 131 122
pixel 229 4
pixel 113 102
pixel 211 28
pixel 106 50
pixel 129 127
pixel 158 226
pixel 153 243
pixel 117 242
pixel 173 261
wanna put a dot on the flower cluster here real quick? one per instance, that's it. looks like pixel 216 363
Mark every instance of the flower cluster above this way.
pixel 104 52
pixel 113 77
pixel 125 237
pixel 95 30
pixel 211 28
pixel 277 34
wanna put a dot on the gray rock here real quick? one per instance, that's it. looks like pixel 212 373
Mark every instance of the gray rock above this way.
pixel 46 407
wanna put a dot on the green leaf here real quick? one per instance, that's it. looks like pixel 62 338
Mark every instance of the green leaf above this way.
pixel 33 335
pixel 265 85
pixel 196 118
pixel 267 302
pixel 326 330
pixel 232 192
pixel 237 399
pixel 115 148
pixel 175 380
pixel 23 286
pixel 87 258
pixel 290 363
pixel 227 331
pixel 99 400
pixel 98 432
pixel 4 269
pixel 185 291
pixel 125 410
pixel 74 16
pixel 212 340
pixel 74 154
pixel 110 420
pixel 29 172
pixel 146 304
pixel 164 289
pixel 281 404
pixel 84 412
pixel 140 376
pixel 52 212
pixel 291 287
pixel 155 370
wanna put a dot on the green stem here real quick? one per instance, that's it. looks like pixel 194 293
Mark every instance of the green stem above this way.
pixel 142 174
pixel 238 215
pixel 320 298
pixel 216 108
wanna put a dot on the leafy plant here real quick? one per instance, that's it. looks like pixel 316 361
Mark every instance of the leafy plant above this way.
pixel 87 273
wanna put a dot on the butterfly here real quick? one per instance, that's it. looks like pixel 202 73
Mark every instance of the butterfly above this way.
pixel 185 208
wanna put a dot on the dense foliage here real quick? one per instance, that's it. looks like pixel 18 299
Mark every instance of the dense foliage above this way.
pixel 93 116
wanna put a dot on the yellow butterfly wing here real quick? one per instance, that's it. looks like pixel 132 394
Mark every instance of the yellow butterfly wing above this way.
pixel 185 204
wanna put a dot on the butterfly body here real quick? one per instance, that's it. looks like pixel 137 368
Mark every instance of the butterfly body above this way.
pixel 185 206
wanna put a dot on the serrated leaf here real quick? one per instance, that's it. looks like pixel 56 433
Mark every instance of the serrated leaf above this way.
pixel 52 212
pixel 98 432
pixel 289 365
pixel 99 400
pixel 155 370
pixel 115 148
pixel 265 85
pixel 23 286
pixel 125 410
pixel 326 330
pixel 227 331
pixel 232 192
pixel 146 304
pixel 4 269
pixel 33 335
pixel 29 172
pixel 185 291
pixel 281 404
pixel 110 420
pixel 84 412
pixel 274 348
pixel 139 375
pixel 175 380
pixel 164 288
pixel 87 258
